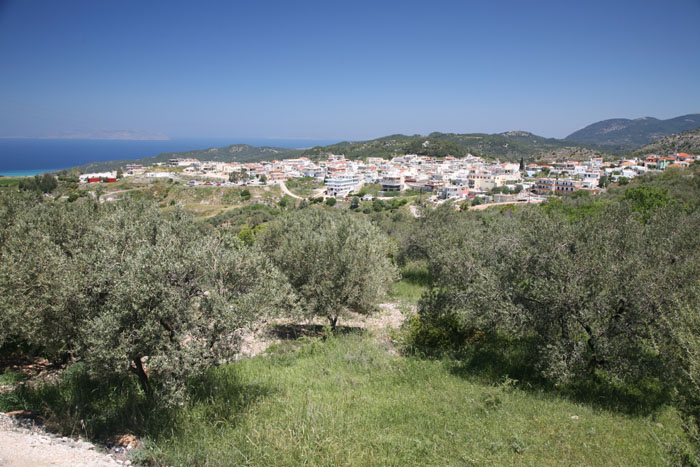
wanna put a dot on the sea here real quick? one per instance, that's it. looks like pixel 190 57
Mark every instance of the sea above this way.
pixel 29 156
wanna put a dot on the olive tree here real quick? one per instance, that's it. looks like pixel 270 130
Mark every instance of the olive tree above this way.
pixel 335 261
pixel 127 288
pixel 593 290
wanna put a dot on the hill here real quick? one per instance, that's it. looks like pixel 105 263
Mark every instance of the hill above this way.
pixel 688 141
pixel 511 145
pixel 234 152
pixel 621 134
pixel 570 154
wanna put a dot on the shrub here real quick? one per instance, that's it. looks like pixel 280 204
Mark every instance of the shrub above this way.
pixel 335 261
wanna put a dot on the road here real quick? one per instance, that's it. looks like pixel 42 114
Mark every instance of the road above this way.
pixel 286 191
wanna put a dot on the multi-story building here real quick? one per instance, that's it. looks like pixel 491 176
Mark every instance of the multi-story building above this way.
pixel 341 185
pixel 392 182
pixel 551 186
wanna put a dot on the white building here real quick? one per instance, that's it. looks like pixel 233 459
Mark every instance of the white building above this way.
pixel 392 182
pixel 341 185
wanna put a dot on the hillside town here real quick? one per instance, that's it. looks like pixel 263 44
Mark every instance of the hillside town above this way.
pixel 454 178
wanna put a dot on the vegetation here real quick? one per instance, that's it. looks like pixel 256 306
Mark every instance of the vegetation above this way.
pixel 40 183
pixel 235 152
pixel 688 141
pixel 512 146
pixel 123 287
pixel 303 187
pixel 347 401
pixel 336 262
pixel 531 330
pixel 595 293
pixel 622 135
pixel 287 409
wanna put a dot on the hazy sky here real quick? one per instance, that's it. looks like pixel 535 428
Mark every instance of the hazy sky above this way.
pixel 345 70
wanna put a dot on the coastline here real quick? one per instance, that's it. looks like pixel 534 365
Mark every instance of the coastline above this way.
pixel 28 172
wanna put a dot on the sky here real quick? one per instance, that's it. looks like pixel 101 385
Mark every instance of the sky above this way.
pixel 342 70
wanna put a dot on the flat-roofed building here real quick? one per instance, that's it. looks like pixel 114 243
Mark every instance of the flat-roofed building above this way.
pixel 392 182
pixel 341 185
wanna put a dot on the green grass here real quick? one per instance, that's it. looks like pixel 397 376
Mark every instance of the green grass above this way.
pixel 11 183
pixel 369 189
pixel 414 281
pixel 406 291
pixel 346 401
pixel 351 400
pixel 10 377
pixel 304 187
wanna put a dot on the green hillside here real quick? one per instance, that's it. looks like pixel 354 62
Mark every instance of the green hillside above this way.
pixel 234 152
pixel 508 146
pixel 688 141
pixel 511 146
pixel 621 134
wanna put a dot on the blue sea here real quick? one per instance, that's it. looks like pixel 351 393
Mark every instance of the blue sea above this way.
pixel 28 156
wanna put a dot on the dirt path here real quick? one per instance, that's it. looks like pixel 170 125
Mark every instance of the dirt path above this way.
pixel 31 447
pixel 480 207
pixel 257 340
pixel 287 191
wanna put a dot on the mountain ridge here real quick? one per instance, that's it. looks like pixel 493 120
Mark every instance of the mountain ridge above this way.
pixel 510 145
pixel 687 141
pixel 623 134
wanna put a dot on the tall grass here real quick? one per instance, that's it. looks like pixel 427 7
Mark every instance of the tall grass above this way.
pixel 346 401
pixel 414 281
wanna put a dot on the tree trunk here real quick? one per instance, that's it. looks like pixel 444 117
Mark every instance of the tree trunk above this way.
pixel 333 321
pixel 140 372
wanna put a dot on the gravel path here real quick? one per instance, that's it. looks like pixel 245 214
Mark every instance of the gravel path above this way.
pixel 23 444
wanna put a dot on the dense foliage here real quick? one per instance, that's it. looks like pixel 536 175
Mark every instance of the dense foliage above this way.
pixel 125 287
pixel 511 146
pixel 336 262
pixel 40 183
pixel 595 294
pixel 596 291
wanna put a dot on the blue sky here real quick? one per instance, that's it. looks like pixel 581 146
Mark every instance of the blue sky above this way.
pixel 343 70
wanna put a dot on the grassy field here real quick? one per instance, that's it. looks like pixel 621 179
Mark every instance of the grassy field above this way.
pixel 9 182
pixel 202 201
pixel 303 187
pixel 354 400
pixel 348 401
